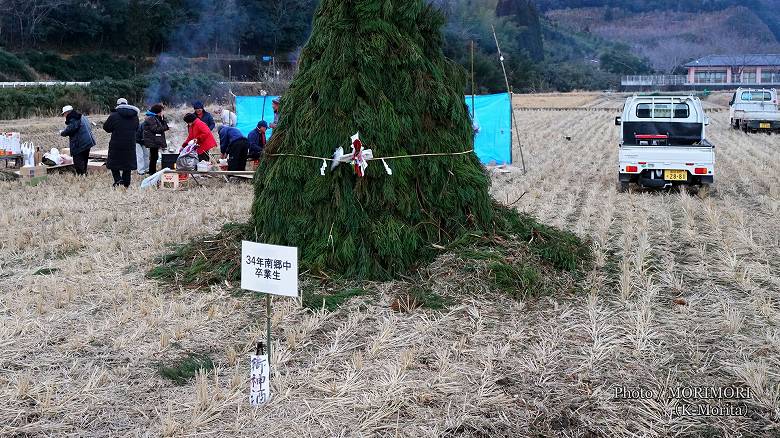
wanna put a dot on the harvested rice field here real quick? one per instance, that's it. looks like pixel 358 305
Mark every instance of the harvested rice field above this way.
pixel 675 331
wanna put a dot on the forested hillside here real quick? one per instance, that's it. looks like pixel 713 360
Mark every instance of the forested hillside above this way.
pixel 671 32
pixel 548 44
pixel 148 27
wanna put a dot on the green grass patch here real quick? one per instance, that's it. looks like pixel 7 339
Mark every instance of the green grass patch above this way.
pixel 330 302
pixel 563 249
pixel 203 262
pixel 186 369
pixel 427 299
pixel 517 281
pixel 46 271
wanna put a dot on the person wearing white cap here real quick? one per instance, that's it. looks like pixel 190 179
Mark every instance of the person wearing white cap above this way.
pixel 79 130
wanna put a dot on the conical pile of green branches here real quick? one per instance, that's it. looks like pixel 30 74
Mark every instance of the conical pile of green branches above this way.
pixel 375 67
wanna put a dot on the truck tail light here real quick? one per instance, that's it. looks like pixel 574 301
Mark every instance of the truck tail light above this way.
pixel 632 169
pixel 700 171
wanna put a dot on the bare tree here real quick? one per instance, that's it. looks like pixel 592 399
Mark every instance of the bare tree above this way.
pixel 28 15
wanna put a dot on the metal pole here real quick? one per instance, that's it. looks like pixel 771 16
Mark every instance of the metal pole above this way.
pixel 509 91
pixel 268 328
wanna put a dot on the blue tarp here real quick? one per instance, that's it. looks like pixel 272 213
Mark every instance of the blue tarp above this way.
pixel 249 111
pixel 493 143
pixel 493 117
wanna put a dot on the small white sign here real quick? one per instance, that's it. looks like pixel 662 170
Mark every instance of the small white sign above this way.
pixel 259 383
pixel 269 269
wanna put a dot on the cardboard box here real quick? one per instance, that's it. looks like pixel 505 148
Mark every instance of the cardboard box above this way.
pixel 32 172
pixel 174 181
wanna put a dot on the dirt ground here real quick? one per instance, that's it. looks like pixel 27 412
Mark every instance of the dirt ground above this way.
pixel 684 294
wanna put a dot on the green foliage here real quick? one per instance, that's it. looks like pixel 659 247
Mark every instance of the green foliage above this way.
pixel 203 262
pixel 517 281
pixel 563 249
pixel 620 60
pixel 398 90
pixel 523 13
pixel 181 372
pixel 329 302
pixel 137 28
pixel 51 65
pixel 419 296
pixel 101 95
pixel 80 68
pixel 13 68
pixel 101 65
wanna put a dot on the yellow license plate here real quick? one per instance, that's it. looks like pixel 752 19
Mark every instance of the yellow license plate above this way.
pixel 675 175
pixel 765 125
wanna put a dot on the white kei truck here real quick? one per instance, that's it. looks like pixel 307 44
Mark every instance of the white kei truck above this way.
pixel 755 110
pixel 663 144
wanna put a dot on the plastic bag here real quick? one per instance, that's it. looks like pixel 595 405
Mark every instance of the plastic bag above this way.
pixel 188 158
pixel 152 181
pixel 52 158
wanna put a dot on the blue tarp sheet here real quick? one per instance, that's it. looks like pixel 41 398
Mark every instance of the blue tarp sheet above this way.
pixel 493 143
pixel 249 111
pixel 493 117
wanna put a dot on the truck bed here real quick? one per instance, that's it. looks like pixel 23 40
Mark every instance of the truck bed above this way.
pixel 668 157
pixel 767 116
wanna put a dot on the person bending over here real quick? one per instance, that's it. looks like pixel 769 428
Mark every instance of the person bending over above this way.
pixel 201 133
pixel 235 146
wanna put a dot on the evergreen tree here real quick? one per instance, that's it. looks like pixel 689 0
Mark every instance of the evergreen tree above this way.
pixel 374 67
pixel 524 14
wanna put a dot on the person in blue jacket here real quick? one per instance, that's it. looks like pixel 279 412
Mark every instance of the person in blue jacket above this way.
pixel 257 140
pixel 235 146
pixel 203 115
pixel 79 130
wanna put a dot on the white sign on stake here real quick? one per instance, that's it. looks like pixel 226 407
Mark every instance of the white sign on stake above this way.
pixel 269 269
pixel 259 383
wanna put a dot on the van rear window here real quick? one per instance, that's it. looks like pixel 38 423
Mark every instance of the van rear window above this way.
pixel 756 96
pixel 644 111
pixel 662 111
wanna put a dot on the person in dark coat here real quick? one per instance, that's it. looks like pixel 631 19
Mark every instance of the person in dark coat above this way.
pixel 155 126
pixel 257 140
pixel 79 131
pixel 122 125
pixel 233 144
pixel 204 115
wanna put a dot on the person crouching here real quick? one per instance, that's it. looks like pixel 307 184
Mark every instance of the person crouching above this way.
pixel 202 135
pixel 235 146
pixel 122 124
